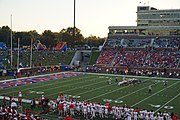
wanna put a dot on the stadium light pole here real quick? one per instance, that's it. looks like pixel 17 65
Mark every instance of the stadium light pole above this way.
pixel 11 42
pixel 74 28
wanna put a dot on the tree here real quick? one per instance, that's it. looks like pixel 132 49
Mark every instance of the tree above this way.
pixel 48 38
pixel 5 35
pixel 34 34
pixel 25 38
pixel 94 41
pixel 67 36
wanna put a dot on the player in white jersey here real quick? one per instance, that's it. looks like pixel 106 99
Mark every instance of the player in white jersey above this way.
pixel 93 111
pixel 78 108
pixel 58 100
pixel 118 114
pixel 135 115
pixel 151 115
pixel 101 112
pixel 106 111
pixel 65 108
pixel 53 105
pixel 110 81
pixel 89 109
pixel 147 117
pixel 160 117
pixel 129 116
pixel 166 115
pixel 141 115
pixel 85 110
pixel 113 111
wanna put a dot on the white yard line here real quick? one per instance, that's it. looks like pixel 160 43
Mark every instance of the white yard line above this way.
pixel 69 85
pixel 77 87
pixel 94 89
pixel 168 102
pixel 134 92
pixel 106 93
pixel 97 89
pixel 28 101
pixel 153 94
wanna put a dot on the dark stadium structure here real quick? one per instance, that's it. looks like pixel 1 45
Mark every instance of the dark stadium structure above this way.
pixel 152 47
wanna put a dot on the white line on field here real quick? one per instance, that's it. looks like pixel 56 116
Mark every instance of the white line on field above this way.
pixel 134 92
pixel 68 85
pixel 172 79
pixel 153 94
pixel 168 102
pixel 108 92
pixel 94 89
pixel 76 87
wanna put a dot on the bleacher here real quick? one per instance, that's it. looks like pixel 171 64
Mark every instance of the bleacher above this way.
pixel 106 57
pixel 167 42
pixel 157 52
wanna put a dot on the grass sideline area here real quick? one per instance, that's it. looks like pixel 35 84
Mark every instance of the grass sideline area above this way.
pixel 39 58
pixel 94 57
pixel 94 87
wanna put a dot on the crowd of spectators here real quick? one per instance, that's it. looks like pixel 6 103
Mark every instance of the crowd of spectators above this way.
pixel 151 59
pixel 106 57
pixel 113 42
pixel 143 58
pixel 167 42
pixel 154 53
pixel 136 42
pixel 143 42
pixel 130 58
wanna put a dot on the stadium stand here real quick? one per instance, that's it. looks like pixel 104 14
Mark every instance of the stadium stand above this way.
pixel 144 57
pixel 150 53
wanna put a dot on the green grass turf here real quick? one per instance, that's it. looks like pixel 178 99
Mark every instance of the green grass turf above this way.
pixel 95 88
pixel 40 58
pixel 94 57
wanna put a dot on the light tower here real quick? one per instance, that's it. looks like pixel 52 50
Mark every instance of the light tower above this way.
pixel 74 28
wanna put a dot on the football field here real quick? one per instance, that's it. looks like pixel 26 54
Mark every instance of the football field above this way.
pixel 95 88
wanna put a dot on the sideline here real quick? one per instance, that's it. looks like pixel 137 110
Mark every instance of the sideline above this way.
pixel 132 76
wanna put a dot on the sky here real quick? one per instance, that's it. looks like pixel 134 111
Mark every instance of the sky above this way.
pixel 93 17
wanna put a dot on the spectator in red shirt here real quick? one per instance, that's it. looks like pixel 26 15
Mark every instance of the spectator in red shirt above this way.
pixel 60 109
pixel 71 106
pixel 68 118
pixel 175 117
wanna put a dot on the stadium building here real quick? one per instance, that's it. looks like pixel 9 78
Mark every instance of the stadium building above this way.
pixel 151 22
pixel 152 45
